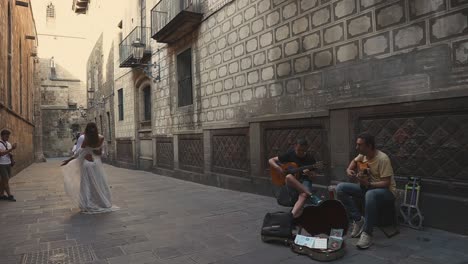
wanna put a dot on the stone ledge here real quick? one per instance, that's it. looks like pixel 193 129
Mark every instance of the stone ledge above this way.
pixel 399 99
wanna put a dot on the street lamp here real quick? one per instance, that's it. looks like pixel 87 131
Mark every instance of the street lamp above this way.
pixel 138 48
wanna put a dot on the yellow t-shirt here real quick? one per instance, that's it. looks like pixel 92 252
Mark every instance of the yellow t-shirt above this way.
pixel 380 167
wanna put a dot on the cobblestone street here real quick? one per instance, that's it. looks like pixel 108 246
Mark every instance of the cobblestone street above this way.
pixel 164 220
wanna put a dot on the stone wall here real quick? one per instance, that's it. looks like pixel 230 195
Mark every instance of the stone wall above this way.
pixel 16 103
pixel 101 102
pixel 265 72
pixel 257 58
pixel 62 106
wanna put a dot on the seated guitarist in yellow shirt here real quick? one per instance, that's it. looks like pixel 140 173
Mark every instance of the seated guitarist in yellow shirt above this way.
pixel 376 185
pixel 300 189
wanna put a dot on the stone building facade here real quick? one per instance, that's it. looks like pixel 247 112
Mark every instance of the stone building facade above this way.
pixel 62 106
pixel 264 72
pixel 100 94
pixel 18 45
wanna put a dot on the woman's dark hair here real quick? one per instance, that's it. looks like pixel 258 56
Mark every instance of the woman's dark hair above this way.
pixel 91 134
pixel 368 139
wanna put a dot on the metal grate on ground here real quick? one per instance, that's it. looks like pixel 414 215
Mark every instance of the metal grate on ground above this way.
pixel 69 255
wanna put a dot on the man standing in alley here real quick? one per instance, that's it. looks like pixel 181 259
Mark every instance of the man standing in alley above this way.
pixel 6 162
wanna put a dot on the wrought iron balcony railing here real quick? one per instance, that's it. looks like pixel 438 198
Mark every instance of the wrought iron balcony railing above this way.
pixel 127 59
pixel 172 19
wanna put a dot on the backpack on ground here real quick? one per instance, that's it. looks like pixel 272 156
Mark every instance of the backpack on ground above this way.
pixel 277 228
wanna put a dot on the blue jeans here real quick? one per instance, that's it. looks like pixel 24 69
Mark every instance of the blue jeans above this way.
pixel 373 198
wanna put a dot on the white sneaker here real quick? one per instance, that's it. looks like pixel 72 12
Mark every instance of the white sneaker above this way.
pixel 365 241
pixel 357 227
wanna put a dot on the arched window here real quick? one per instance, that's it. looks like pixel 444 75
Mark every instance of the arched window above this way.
pixel 147 103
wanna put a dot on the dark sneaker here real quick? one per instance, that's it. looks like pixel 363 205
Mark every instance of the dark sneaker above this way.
pixel 11 198
pixel 3 197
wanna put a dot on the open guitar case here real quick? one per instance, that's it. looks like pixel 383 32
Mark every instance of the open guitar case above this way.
pixel 318 221
pixel 314 221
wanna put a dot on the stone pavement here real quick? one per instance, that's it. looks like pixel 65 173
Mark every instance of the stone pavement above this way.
pixel 165 220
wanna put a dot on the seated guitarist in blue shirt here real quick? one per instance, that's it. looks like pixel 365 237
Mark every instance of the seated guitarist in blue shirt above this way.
pixel 301 186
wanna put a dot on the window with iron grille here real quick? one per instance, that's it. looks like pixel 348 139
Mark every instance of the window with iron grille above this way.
pixel 120 104
pixel 147 103
pixel 184 78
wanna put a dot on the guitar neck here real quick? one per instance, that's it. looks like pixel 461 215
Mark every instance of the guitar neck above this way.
pixel 308 167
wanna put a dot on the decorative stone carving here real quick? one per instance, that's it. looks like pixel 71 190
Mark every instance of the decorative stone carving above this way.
pixel 420 8
pixel 247 95
pixel 344 8
pixel 360 25
pixel 274 53
pixel 293 86
pixel 289 10
pixel 266 39
pixel 250 13
pixel 273 18
pixel 276 89
pixel 257 25
pixel 244 32
pixel 370 3
pixel 235 97
pixel 264 6
pixel 300 25
pixel 323 58
pixel 302 64
pixel 461 53
pixel 409 36
pixel 390 15
pixel 291 48
pixel 251 45
pixel 252 77
pixel 333 34
pixel 283 69
pixel 376 45
pixel 268 73
pixel 311 41
pixel 308 4
pixel 449 26
pixel 347 52
pixel 321 16
pixel 260 92
pixel 282 32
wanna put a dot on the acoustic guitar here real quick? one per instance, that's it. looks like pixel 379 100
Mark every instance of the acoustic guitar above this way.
pixel 363 170
pixel 279 179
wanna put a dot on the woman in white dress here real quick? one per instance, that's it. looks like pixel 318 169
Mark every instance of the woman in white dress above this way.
pixel 84 178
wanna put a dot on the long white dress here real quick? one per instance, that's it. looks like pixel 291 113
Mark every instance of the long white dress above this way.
pixel 86 183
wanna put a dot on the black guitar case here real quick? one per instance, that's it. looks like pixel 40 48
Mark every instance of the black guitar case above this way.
pixel 320 219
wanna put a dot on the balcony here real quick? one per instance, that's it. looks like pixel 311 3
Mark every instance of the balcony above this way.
pixel 126 49
pixel 80 6
pixel 173 19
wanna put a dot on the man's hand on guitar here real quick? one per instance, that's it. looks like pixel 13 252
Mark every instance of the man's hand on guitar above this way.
pixel 364 181
pixel 351 173
pixel 280 170
pixel 310 174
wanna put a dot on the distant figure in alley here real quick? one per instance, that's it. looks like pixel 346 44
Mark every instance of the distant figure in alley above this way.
pixel 6 162
pixel 84 178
